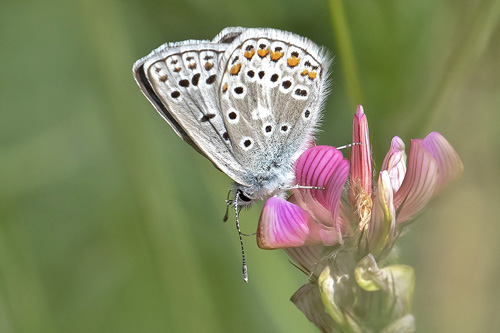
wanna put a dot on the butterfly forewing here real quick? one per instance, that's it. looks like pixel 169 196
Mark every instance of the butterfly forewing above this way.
pixel 271 94
pixel 181 81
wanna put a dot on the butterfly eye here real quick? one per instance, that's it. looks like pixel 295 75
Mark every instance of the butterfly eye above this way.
pixel 243 197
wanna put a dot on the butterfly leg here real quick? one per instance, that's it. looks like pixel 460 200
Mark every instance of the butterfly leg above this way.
pixel 349 145
pixel 229 202
pixel 295 187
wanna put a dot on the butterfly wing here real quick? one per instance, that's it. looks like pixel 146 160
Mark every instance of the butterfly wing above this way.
pixel 180 80
pixel 229 34
pixel 272 90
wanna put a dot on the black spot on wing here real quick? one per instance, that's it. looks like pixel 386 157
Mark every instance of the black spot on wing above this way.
pixel 207 117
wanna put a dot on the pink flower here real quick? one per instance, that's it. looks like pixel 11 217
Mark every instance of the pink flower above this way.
pixel 309 216
pixel 339 235
pixel 373 212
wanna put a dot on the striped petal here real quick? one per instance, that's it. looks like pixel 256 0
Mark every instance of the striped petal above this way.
pixel 419 184
pixel 361 156
pixel 330 232
pixel 334 189
pixel 321 166
pixel 283 224
pixel 450 166
pixel 395 163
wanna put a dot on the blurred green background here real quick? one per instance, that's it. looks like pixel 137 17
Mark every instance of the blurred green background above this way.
pixel 110 223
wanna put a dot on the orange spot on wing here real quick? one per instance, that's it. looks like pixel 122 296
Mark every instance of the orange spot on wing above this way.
pixel 293 61
pixel 312 75
pixel 235 69
pixel 249 54
pixel 275 56
pixel 304 72
pixel 262 52
pixel 208 66
pixel 224 87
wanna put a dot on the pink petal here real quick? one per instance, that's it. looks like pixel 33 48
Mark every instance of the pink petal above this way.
pixel 330 233
pixel 314 168
pixel 450 166
pixel 283 224
pixel 361 156
pixel 321 166
pixel 395 163
pixel 419 183
pixel 334 189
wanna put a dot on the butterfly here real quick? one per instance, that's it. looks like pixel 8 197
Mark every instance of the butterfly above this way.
pixel 250 101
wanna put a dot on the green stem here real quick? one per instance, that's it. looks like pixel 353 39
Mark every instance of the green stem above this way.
pixel 343 38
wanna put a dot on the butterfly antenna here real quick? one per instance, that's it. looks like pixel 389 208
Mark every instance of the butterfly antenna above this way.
pixel 245 273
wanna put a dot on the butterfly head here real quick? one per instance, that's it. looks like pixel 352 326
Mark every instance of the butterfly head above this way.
pixel 262 188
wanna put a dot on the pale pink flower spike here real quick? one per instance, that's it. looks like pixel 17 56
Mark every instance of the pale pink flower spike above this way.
pixel 340 235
